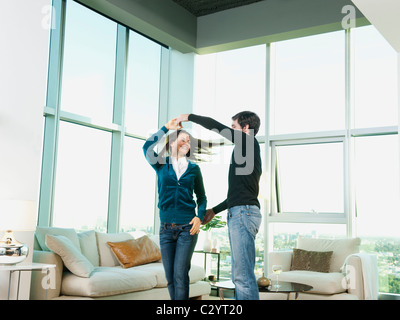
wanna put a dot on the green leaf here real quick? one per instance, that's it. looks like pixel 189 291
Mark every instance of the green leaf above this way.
pixel 215 223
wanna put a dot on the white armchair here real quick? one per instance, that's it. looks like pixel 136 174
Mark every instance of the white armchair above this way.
pixel 347 277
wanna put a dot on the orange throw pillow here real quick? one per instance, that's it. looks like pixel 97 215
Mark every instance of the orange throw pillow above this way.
pixel 135 252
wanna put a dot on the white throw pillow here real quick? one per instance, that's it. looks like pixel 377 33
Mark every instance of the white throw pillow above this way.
pixel 73 259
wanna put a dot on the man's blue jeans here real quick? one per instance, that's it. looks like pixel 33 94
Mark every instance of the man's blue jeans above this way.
pixel 177 246
pixel 243 225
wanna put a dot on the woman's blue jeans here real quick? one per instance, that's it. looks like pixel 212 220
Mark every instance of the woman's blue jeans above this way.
pixel 243 225
pixel 177 246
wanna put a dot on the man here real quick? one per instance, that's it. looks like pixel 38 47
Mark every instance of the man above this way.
pixel 244 217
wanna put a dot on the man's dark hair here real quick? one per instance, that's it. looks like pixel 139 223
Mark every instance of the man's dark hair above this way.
pixel 250 118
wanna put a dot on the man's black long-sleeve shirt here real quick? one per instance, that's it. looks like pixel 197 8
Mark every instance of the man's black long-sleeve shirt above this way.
pixel 245 167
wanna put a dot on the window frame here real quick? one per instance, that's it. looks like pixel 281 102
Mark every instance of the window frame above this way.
pixel 53 115
pixel 276 215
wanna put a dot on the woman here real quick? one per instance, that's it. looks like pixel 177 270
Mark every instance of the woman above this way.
pixel 178 178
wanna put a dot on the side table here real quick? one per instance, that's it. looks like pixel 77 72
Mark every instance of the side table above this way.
pixel 285 287
pixel 27 267
pixel 222 285
pixel 205 259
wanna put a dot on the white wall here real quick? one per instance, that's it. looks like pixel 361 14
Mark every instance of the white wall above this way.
pixel 24 36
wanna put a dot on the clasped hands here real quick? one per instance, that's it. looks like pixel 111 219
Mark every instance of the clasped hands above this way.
pixel 196 221
pixel 176 123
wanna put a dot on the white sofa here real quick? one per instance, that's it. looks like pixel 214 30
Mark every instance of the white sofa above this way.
pixel 105 278
pixel 347 278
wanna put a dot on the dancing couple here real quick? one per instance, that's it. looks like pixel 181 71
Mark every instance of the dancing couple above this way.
pixel 179 178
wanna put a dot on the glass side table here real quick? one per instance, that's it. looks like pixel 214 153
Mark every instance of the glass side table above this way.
pixel 44 268
pixel 285 287
pixel 205 259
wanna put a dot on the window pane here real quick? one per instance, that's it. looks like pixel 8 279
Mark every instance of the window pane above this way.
pixel 310 178
pixel 308 75
pixel 284 235
pixel 229 82
pixel 143 83
pixel 215 179
pixel 89 63
pixel 375 69
pixel 82 179
pixel 378 207
pixel 138 189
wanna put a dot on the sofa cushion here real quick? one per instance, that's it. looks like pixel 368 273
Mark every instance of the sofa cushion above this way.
pixel 107 258
pixel 341 248
pixel 319 261
pixel 88 243
pixel 322 283
pixel 41 233
pixel 196 273
pixel 73 259
pixel 107 281
pixel 135 252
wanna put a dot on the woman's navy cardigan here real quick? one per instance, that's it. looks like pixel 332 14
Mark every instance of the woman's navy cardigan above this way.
pixel 175 197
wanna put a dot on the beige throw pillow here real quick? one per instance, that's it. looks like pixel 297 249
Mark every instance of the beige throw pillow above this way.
pixel 135 252
pixel 318 261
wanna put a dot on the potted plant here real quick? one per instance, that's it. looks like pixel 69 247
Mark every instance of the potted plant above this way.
pixel 215 223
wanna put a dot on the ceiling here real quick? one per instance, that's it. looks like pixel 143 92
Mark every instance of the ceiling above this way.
pixel 203 7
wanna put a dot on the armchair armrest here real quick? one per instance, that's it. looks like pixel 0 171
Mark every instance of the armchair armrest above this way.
pixel 361 274
pixel 283 258
pixel 55 276
pixel 353 276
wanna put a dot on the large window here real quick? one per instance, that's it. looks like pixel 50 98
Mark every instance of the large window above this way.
pixel 329 134
pixel 225 84
pixel 143 85
pixel 375 85
pixel 378 205
pixel 334 144
pixel 285 234
pixel 229 82
pixel 307 84
pixel 89 63
pixel 138 190
pixel 309 177
pixel 376 153
pixel 97 177
pixel 82 181
pixel 308 139
pixel 142 104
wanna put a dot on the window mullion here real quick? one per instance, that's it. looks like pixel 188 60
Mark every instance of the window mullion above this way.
pixel 118 135
pixel 52 121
